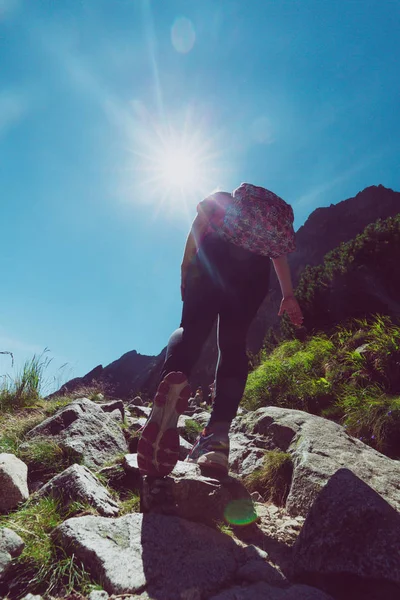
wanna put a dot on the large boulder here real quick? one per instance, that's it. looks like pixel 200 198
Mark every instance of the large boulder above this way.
pixel 11 546
pixel 77 483
pixel 168 557
pixel 318 448
pixel 350 541
pixel 155 556
pixel 85 429
pixel 188 494
pixel 13 481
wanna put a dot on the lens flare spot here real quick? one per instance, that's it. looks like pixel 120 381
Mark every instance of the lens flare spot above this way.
pixel 183 35
pixel 240 512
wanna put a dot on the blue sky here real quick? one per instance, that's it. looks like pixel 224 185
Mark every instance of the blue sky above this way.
pixel 97 97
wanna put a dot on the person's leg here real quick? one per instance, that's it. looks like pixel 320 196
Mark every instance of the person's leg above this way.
pixel 246 287
pixel 238 311
pixel 199 312
pixel 158 448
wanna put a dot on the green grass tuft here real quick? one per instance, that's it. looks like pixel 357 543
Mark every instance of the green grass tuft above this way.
pixel 44 568
pixel 192 430
pixel 292 376
pixel 273 479
pixel 25 389
pixel 131 504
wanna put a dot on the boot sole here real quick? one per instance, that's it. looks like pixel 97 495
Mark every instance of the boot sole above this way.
pixel 158 448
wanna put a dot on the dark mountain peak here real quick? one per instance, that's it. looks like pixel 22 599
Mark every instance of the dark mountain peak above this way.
pixel 329 226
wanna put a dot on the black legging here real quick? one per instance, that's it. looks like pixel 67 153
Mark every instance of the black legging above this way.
pixel 228 282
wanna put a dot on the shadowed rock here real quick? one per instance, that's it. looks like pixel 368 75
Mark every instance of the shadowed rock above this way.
pixel 11 546
pixel 188 494
pixel 349 544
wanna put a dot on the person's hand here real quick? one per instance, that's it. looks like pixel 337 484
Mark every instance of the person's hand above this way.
pixel 293 310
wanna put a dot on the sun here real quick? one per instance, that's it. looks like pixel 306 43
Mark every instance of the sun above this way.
pixel 180 170
pixel 175 166
pixel 180 164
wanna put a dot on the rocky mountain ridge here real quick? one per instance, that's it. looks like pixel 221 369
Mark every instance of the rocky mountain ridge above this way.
pixel 324 230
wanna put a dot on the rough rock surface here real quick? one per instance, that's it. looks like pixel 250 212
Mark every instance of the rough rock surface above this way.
pixel 98 595
pixel 168 557
pixel 263 591
pixel 188 494
pixel 13 481
pixel 137 401
pixel 184 448
pixel 85 429
pixel 11 545
pixel 114 405
pixel 350 542
pixel 136 423
pixel 77 483
pixel 139 411
pixel 319 448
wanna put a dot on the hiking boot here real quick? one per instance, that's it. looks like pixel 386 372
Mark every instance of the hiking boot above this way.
pixel 211 450
pixel 158 447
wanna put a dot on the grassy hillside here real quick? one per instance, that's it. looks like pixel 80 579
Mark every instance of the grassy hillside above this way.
pixel 352 376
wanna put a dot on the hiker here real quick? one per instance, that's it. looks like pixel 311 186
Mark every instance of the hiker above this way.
pixel 225 275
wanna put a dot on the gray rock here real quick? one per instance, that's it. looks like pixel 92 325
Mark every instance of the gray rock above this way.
pixel 166 557
pixel 350 539
pixel 319 448
pixel 137 401
pixel 201 418
pixel 11 542
pixel 114 405
pixel 184 448
pixel 85 429
pixel 99 595
pixel 13 481
pixel 136 423
pixel 77 483
pixel 263 591
pixel 130 464
pixel 257 570
pixel 32 597
pixel 188 494
pixel 11 546
pixel 140 411
pixel 256 497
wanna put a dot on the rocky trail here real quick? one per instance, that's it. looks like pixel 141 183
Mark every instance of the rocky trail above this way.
pixel 335 534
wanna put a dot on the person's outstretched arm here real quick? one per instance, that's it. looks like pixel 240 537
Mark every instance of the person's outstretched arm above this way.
pixel 289 302
pixel 196 233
